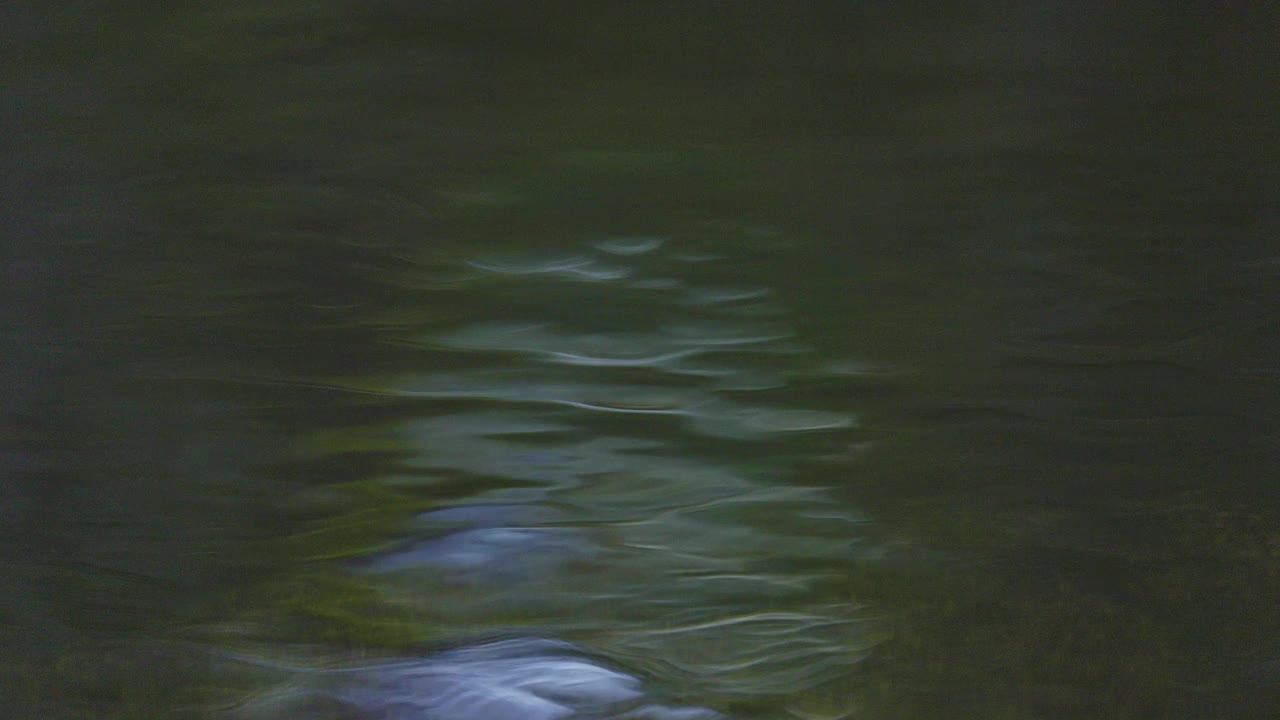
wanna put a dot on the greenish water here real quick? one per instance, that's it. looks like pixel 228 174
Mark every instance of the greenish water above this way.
pixel 802 360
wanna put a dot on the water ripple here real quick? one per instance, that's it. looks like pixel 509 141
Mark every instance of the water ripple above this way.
pixel 763 653
pixel 630 245
pixel 687 559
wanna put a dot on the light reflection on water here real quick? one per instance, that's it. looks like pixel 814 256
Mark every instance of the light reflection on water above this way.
pixel 704 566
pixel 1080 284
pixel 519 678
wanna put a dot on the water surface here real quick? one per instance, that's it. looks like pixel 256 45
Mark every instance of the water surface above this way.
pixel 816 360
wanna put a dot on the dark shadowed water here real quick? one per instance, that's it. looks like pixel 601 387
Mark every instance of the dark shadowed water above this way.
pixel 666 361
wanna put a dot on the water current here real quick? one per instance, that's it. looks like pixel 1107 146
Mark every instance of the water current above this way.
pixel 640 503
pixel 495 361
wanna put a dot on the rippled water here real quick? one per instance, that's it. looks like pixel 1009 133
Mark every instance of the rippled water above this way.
pixel 609 517
pixel 443 360
pixel 522 678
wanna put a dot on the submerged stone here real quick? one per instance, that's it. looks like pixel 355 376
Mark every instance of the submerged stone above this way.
pixel 488 554
pixel 523 678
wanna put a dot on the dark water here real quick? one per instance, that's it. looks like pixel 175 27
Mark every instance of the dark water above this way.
pixel 663 360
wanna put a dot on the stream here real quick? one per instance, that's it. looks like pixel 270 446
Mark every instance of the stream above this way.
pixel 650 361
